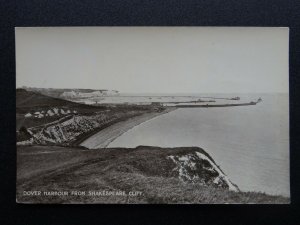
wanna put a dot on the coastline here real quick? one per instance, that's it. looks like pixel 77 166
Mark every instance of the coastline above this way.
pixel 58 173
pixel 105 136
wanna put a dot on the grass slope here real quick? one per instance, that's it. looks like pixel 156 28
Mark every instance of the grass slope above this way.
pixel 144 169
pixel 26 100
pixel 30 102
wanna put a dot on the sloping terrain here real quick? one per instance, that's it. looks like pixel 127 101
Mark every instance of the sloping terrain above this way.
pixel 159 175
pixel 46 120
pixel 68 93
pixel 69 129
pixel 28 100
pixel 33 109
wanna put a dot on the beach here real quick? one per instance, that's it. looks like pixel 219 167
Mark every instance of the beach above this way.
pixel 104 137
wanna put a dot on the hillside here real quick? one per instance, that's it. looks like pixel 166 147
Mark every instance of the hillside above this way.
pixel 156 175
pixel 46 120
pixel 31 100
pixel 33 109
pixel 69 93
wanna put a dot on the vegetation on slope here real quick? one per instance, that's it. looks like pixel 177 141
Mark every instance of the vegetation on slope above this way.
pixel 46 120
pixel 147 170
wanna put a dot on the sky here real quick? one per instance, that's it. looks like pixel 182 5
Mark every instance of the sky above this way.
pixel 154 59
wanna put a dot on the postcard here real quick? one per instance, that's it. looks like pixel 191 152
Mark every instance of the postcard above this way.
pixel 152 115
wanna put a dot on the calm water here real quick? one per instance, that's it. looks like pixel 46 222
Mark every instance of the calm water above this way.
pixel 250 143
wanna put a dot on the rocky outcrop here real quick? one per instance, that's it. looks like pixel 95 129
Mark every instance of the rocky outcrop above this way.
pixel 196 167
pixel 145 169
pixel 189 165
pixel 67 129
pixel 49 112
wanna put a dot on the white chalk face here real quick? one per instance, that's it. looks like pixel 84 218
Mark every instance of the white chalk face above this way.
pixel 154 59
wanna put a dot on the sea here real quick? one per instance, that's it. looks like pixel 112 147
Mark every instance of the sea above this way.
pixel 249 143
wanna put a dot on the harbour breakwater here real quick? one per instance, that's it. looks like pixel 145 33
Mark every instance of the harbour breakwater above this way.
pixel 216 105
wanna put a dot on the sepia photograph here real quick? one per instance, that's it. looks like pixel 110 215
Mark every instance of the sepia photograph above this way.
pixel 152 115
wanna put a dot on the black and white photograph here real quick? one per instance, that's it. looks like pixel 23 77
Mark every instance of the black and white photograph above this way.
pixel 152 115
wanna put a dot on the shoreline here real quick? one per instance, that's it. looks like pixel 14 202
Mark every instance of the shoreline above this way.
pixel 103 137
pixel 127 169
pixel 107 135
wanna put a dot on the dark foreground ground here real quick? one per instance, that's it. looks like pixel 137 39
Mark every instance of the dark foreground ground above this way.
pixel 140 175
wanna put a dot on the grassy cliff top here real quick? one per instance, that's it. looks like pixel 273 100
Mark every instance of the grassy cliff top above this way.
pixel 144 169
